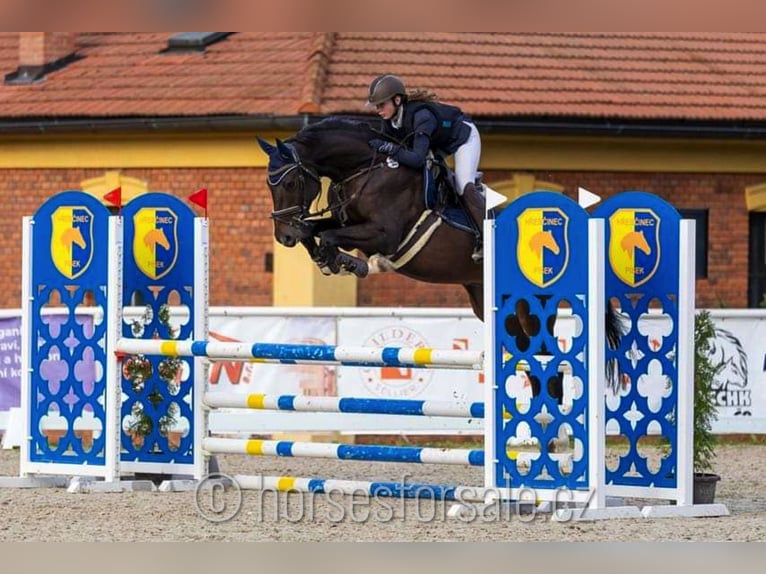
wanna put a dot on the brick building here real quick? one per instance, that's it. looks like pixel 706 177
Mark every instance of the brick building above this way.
pixel 680 115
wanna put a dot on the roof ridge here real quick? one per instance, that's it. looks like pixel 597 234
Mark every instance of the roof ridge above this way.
pixel 316 72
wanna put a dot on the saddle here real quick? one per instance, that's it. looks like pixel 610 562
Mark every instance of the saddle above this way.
pixel 441 195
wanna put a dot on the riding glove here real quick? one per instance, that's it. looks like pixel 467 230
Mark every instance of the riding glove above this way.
pixel 388 148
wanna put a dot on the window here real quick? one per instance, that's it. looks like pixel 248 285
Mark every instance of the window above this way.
pixel 194 41
pixel 756 280
pixel 701 217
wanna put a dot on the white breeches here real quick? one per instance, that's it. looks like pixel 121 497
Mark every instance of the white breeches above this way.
pixel 467 159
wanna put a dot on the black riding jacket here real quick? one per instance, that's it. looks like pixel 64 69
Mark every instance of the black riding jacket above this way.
pixel 428 125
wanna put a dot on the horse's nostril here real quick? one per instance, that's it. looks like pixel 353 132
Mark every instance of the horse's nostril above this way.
pixel 287 239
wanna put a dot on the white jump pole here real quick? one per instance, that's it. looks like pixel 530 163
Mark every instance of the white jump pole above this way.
pixel 305 354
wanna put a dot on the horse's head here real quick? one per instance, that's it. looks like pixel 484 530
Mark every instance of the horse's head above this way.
pixel 294 186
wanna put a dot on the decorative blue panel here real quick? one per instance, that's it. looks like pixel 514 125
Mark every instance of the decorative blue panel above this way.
pixel 158 272
pixel 541 251
pixel 68 329
pixel 642 278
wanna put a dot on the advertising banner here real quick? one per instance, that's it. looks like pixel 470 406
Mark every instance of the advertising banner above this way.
pixel 10 362
pixel 421 384
pixel 740 344
pixel 248 377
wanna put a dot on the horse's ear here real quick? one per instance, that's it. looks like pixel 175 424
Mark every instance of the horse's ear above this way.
pixel 266 146
pixel 284 151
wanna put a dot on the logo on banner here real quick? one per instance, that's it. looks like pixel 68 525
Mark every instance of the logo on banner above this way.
pixel 634 245
pixel 732 389
pixel 72 240
pixel 155 242
pixel 396 382
pixel 543 247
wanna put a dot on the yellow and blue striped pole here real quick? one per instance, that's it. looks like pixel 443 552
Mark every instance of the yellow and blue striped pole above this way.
pixel 296 354
pixel 286 448
pixel 372 489
pixel 458 409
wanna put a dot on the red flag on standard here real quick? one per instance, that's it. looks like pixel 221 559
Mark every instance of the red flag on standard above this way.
pixel 115 197
pixel 199 198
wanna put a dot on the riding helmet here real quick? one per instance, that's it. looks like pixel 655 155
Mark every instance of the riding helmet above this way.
pixel 385 87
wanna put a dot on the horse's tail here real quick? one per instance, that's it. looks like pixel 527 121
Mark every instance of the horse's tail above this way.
pixel 615 330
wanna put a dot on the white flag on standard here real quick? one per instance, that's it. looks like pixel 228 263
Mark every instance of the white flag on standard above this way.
pixel 586 198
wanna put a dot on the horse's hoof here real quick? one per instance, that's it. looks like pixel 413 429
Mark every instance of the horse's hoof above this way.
pixel 360 269
pixel 356 267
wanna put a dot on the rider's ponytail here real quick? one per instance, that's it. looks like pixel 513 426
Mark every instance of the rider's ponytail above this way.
pixel 421 96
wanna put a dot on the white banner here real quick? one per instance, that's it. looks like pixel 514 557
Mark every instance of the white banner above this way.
pixel 741 396
pixel 740 343
pixel 245 377
pixel 420 384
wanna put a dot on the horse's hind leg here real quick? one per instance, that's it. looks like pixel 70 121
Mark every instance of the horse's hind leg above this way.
pixel 476 296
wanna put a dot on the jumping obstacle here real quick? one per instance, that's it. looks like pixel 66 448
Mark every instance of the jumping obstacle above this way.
pixel 542 251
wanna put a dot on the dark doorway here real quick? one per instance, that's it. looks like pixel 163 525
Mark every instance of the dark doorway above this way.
pixel 700 216
pixel 756 277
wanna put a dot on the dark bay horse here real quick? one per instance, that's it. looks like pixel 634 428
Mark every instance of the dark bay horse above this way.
pixel 374 205
pixel 377 207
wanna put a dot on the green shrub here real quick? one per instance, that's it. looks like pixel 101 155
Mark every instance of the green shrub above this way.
pixel 705 411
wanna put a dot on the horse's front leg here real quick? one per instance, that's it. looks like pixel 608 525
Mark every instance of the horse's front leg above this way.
pixel 325 256
pixel 332 261
pixel 368 237
pixel 310 243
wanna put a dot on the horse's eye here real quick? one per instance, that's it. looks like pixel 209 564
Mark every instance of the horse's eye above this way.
pixel 290 185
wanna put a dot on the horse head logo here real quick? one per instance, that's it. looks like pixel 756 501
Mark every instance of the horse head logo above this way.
pixel 543 240
pixel 72 240
pixel 634 245
pixel 155 241
pixel 727 350
pixel 543 245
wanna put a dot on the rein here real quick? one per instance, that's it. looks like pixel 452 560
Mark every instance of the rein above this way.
pixel 339 187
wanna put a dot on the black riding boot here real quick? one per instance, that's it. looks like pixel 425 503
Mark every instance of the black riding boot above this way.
pixel 473 199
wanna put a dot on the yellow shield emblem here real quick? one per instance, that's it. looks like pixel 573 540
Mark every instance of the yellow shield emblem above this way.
pixel 155 241
pixel 634 245
pixel 543 246
pixel 72 240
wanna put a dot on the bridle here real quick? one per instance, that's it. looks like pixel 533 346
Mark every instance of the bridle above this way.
pixel 297 216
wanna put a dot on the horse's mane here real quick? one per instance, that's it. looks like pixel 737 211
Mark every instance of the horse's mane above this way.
pixel 338 144
pixel 317 133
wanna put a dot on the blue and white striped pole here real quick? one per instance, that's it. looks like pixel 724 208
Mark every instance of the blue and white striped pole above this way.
pixel 372 489
pixel 296 354
pixel 420 455
pixel 457 409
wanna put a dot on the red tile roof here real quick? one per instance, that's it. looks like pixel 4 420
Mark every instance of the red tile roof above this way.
pixel 691 76
pixel 126 75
